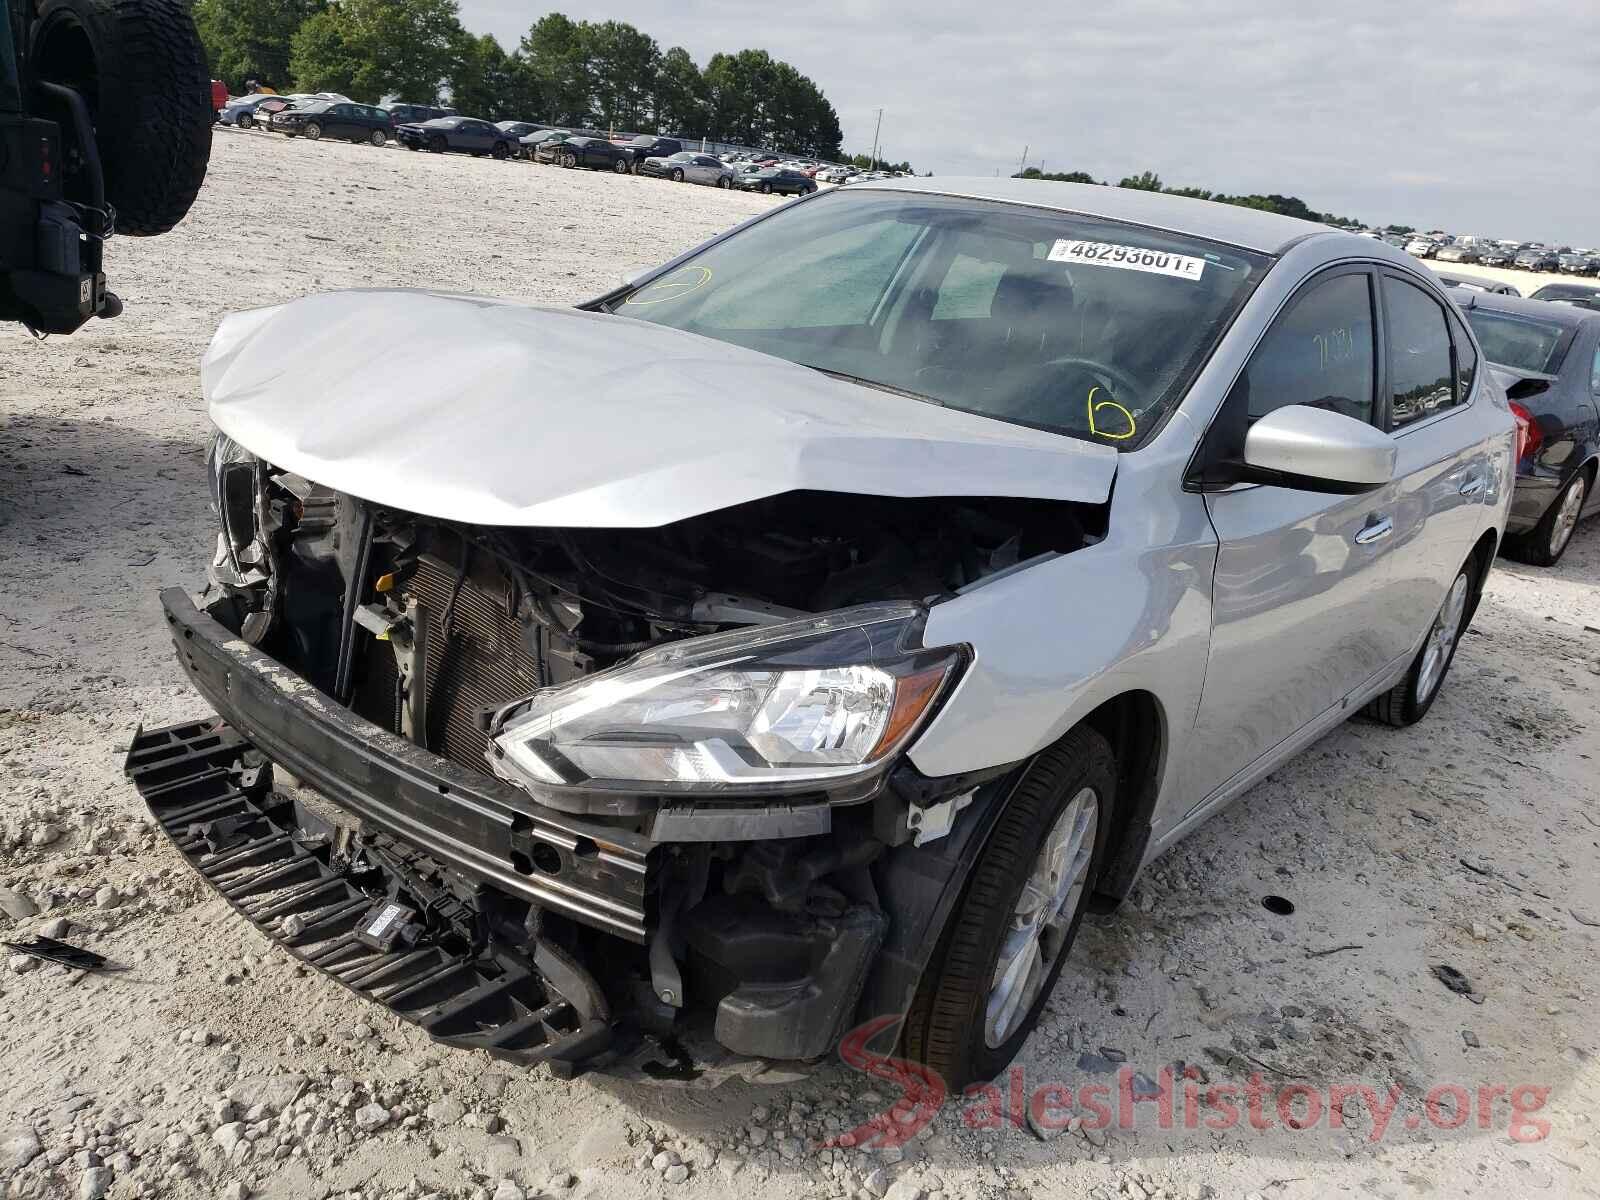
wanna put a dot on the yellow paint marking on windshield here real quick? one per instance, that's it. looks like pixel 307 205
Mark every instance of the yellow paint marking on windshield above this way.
pixel 679 283
pixel 1094 427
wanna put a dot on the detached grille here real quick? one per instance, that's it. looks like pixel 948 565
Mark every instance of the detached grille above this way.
pixel 475 658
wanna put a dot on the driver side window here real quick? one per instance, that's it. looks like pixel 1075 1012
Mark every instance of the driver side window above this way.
pixel 1319 353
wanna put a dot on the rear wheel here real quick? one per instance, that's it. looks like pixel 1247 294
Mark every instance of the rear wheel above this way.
pixel 766 189
pixel 1409 700
pixel 1546 542
pixel 378 137
pixel 141 69
pixel 1004 946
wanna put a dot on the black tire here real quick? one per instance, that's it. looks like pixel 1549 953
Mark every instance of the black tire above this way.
pixel 246 120
pixel 1546 542
pixel 724 182
pixel 1407 702
pixel 501 151
pixel 944 1027
pixel 412 146
pixel 620 166
pixel 436 144
pixel 141 69
pixel 766 189
pixel 677 175
pixel 569 161
pixel 378 137
pixel 312 130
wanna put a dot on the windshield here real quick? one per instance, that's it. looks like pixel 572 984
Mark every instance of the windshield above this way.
pixel 1074 324
pixel 1518 342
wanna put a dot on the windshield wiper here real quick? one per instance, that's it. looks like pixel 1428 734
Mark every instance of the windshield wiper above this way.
pixel 874 383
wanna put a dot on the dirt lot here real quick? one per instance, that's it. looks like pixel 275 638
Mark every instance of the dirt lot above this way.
pixel 1526 282
pixel 213 1066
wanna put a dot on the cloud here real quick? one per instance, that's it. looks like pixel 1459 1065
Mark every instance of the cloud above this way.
pixel 1476 117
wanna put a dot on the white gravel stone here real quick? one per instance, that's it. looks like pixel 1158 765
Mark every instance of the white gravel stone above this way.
pixel 16 906
pixel 94 1182
pixel 19 1147
pixel 676 1173
pixel 509 1190
pixel 446 1110
pixel 371 1117
pixel 228 1136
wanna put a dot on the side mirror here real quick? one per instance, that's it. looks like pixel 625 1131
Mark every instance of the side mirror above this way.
pixel 1316 450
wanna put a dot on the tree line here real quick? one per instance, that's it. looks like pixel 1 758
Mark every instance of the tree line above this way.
pixel 1149 181
pixel 602 74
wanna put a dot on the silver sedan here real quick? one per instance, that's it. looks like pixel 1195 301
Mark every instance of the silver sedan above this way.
pixel 689 167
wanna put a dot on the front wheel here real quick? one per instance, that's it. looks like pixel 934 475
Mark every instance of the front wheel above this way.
pixel 246 120
pixel 1408 701
pixel 620 166
pixel 1004 945
pixel 766 189
pixel 569 161
pixel 313 130
pixel 436 145
pixel 724 182
pixel 1546 542
pixel 677 175
pixel 501 151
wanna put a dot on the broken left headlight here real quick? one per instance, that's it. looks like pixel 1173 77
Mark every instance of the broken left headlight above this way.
pixel 810 705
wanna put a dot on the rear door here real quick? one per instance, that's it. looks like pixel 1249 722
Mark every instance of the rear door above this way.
pixel 1442 471
pixel 1300 594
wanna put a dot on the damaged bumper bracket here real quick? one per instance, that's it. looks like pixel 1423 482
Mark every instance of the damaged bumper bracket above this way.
pixel 215 804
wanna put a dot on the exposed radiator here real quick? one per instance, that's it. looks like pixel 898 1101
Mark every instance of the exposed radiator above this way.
pixel 476 662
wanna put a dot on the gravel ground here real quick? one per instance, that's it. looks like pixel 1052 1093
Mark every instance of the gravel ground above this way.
pixel 215 1066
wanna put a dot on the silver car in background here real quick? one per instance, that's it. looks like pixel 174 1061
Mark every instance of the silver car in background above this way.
pixel 1029 525
pixel 690 167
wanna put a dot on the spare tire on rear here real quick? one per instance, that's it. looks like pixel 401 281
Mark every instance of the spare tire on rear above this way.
pixel 141 69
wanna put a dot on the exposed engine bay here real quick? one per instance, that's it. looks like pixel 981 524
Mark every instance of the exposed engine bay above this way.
pixel 763 918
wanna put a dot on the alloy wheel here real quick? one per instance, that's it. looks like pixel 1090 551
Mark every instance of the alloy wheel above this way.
pixel 1567 515
pixel 1042 917
pixel 1442 639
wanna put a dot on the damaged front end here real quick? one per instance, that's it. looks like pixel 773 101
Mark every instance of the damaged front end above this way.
pixel 583 795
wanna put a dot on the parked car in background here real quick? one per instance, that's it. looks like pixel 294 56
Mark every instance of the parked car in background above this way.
pixel 529 143
pixel 1536 258
pixel 734 710
pixel 1495 256
pixel 1422 247
pixel 245 111
pixel 593 152
pixel 689 167
pixel 645 146
pixel 520 129
pixel 417 114
pixel 465 135
pixel 1585 295
pixel 1458 253
pixel 1548 358
pixel 781 180
pixel 1572 263
pixel 1472 283
pixel 315 119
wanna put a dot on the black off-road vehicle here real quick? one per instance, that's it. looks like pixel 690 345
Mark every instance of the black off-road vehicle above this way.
pixel 105 127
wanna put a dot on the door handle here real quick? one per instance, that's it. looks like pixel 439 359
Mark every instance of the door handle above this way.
pixel 1374 531
pixel 1474 486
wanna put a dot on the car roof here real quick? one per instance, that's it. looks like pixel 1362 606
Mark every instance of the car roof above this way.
pixel 1568 316
pixel 1249 228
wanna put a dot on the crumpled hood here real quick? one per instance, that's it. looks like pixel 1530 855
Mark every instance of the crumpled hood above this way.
pixel 495 413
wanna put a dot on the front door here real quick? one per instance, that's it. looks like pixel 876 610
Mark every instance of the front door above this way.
pixel 1300 588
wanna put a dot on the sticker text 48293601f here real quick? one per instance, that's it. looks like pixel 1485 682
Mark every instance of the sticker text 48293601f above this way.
pixel 1128 258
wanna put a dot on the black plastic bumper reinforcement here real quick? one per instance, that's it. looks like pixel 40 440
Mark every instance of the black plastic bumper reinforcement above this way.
pixel 211 793
pixel 476 825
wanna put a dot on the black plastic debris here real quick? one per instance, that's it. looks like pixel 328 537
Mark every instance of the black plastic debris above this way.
pixel 76 957
pixel 1277 905
pixel 1452 979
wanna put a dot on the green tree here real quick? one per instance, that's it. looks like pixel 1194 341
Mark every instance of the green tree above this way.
pixel 681 97
pixel 622 65
pixel 370 49
pixel 1149 181
pixel 487 82
pixel 1057 176
pixel 555 62
pixel 250 39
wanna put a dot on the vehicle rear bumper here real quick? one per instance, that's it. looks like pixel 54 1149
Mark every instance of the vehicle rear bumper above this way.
pixel 479 826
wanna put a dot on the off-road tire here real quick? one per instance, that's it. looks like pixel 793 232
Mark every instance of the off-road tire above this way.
pixel 141 69
pixel 944 1027
pixel 1400 705
pixel 1534 547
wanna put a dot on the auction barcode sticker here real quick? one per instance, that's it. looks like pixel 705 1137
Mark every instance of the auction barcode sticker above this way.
pixel 1127 258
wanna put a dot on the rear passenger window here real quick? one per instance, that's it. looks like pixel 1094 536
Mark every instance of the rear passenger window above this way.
pixel 1319 353
pixel 1420 372
pixel 1594 373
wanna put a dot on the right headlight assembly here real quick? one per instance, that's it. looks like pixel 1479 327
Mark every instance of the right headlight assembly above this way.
pixel 820 704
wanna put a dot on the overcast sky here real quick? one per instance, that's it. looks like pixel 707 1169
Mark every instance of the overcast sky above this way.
pixel 1476 116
